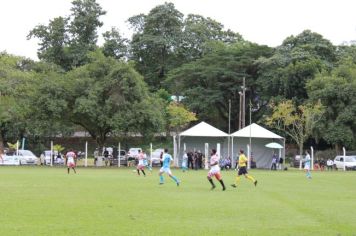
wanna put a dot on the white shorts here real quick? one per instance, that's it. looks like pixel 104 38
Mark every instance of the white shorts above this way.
pixel 214 170
pixel 306 167
pixel 165 170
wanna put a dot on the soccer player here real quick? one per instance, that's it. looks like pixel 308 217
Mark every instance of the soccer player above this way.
pixel 70 160
pixel 141 165
pixel 243 170
pixel 145 161
pixel 307 165
pixel 215 170
pixel 166 160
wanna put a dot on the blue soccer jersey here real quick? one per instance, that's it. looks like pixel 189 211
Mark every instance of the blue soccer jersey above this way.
pixel 167 160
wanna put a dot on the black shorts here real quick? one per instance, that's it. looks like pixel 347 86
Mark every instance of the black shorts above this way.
pixel 242 171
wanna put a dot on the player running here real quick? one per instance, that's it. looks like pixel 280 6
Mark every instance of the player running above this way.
pixel 215 170
pixel 141 164
pixel 70 160
pixel 243 170
pixel 307 165
pixel 166 160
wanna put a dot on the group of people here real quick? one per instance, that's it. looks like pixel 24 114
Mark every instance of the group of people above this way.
pixel 277 162
pixel 193 160
pixel 214 171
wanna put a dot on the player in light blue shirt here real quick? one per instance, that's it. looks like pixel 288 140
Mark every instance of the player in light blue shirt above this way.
pixel 166 159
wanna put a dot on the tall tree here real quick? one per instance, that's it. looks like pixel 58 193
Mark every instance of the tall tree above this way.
pixel 155 43
pixel 295 62
pixel 66 41
pixel 297 122
pixel 337 92
pixel 115 45
pixel 210 82
pixel 109 96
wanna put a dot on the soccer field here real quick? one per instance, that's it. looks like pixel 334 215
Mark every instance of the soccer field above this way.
pixel 47 201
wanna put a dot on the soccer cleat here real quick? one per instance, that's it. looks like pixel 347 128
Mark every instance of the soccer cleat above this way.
pixel 255 183
pixel 223 189
pixel 233 185
pixel 160 183
pixel 212 188
pixel 178 182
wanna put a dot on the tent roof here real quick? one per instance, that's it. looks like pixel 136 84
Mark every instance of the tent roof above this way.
pixel 256 132
pixel 203 130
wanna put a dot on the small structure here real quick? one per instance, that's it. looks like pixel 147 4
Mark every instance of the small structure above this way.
pixel 195 138
pixel 253 140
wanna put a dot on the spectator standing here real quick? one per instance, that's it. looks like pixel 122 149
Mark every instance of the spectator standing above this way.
pixel 274 162
pixel 330 164
pixel 185 161
pixel 190 160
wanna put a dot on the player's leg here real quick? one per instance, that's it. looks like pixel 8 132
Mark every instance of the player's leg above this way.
pixel 138 171
pixel 143 172
pixel 211 180
pixel 173 177
pixel 219 178
pixel 161 179
pixel 247 176
pixel 68 170
pixel 74 170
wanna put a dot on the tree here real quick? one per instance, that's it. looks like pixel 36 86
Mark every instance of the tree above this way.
pixel 15 88
pixel 156 41
pixel 179 116
pixel 294 63
pixel 67 40
pixel 297 122
pixel 108 97
pixel 115 45
pixel 337 92
pixel 210 82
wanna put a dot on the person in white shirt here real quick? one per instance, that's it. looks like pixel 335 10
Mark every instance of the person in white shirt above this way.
pixel 70 160
pixel 215 170
pixel 330 164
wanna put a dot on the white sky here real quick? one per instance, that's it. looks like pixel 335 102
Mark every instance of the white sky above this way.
pixel 260 21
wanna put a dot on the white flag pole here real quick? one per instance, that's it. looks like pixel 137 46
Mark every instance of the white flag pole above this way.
pixel 118 158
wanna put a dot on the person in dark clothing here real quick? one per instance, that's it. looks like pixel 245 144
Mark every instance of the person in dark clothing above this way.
pixel 196 160
pixel 200 159
pixel 190 160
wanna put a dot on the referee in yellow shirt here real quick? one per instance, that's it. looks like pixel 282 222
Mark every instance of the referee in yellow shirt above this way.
pixel 243 170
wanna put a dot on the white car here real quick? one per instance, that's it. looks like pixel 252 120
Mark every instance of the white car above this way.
pixel 25 157
pixel 156 155
pixel 133 153
pixel 350 162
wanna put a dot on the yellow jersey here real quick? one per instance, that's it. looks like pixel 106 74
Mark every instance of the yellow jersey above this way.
pixel 242 160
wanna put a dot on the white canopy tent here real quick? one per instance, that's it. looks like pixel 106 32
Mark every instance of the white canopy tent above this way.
pixel 255 138
pixel 195 138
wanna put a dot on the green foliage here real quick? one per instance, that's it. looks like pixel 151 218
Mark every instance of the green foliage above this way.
pixel 66 41
pixel 112 97
pixel 293 64
pixel 297 122
pixel 208 83
pixel 179 116
pixel 337 92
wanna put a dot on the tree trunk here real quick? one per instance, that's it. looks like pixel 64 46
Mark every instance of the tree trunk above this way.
pixel 1 144
pixel 301 155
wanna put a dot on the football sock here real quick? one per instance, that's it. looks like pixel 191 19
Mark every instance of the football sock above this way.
pixel 237 180
pixel 174 178
pixel 138 171
pixel 250 178
pixel 143 172
pixel 212 183
pixel 222 184
pixel 161 180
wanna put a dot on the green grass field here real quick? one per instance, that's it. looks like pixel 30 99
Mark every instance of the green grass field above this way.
pixel 47 201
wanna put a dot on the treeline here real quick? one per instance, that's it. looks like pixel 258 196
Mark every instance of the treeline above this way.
pixel 124 86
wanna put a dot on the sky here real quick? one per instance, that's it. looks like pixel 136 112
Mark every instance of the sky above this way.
pixel 266 22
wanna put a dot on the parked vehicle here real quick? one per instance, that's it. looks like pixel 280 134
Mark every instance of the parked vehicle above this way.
pixel 350 162
pixel 296 161
pixel 9 160
pixel 133 153
pixel 156 155
pixel 24 157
